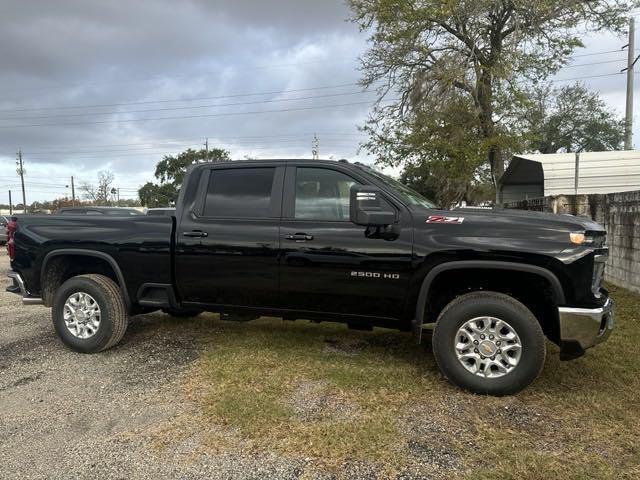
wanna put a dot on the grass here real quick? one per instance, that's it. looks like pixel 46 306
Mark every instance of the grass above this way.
pixel 335 395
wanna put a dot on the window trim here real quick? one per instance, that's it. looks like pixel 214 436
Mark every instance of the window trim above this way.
pixel 275 205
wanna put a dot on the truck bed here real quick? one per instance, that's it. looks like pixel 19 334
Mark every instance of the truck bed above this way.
pixel 140 245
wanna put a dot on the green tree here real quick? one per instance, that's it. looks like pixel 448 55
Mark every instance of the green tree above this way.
pixel 152 195
pixel 570 119
pixel 424 53
pixel 170 172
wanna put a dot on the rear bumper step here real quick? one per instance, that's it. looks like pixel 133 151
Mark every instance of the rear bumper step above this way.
pixel 18 287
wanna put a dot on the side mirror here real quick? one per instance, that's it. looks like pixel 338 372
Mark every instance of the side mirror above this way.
pixel 366 207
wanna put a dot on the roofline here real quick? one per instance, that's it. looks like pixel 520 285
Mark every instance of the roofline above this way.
pixel 282 161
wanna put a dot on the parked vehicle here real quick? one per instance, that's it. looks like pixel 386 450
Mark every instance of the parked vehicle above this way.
pixel 335 241
pixel 3 229
pixel 161 211
pixel 114 211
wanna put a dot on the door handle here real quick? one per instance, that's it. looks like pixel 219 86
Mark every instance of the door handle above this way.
pixel 195 234
pixel 299 237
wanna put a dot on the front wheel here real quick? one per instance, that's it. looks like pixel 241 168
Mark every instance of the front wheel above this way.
pixel 489 343
pixel 89 313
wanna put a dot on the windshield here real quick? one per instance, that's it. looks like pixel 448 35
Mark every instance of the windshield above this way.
pixel 404 192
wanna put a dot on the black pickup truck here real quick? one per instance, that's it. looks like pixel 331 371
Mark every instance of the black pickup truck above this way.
pixel 328 241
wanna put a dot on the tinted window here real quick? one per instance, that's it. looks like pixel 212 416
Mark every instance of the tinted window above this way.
pixel 322 194
pixel 239 192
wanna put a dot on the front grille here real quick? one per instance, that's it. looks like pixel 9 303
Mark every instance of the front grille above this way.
pixel 598 238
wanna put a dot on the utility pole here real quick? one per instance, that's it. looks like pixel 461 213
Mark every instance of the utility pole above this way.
pixel 206 148
pixel 118 196
pixel 10 204
pixel 631 61
pixel 20 171
pixel 73 193
pixel 315 147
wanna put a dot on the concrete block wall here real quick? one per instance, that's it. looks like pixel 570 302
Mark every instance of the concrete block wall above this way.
pixel 619 213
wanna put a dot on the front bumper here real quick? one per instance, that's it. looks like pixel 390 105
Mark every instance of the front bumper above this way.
pixel 582 328
pixel 18 287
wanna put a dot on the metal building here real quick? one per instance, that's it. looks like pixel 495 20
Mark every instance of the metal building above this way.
pixel 542 175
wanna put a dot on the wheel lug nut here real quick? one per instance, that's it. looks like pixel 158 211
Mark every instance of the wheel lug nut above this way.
pixel 498 342
pixel 499 351
pixel 482 357
pixel 475 350
pixel 476 342
pixel 493 358
pixel 490 337
pixel 482 337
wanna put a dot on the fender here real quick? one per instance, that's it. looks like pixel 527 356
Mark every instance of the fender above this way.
pixel 90 253
pixel 558 293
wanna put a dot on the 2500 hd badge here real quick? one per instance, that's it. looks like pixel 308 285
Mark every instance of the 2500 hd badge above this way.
pixel 390 276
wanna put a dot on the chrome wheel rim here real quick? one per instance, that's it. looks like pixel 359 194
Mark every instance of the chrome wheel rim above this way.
pixel 488 347
pixel 81 315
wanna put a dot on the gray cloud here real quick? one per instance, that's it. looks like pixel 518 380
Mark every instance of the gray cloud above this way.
pixel 81 52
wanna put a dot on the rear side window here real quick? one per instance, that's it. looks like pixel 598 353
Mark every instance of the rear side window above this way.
pixel 239 192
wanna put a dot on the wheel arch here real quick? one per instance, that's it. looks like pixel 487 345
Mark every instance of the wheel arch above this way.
pixel 76 252
pixel 432 275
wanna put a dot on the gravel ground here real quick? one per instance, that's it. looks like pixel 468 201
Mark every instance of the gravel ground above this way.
pixel 68 415
pixel 127 413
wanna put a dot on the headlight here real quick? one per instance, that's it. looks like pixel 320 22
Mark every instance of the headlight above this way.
pixel 577 238
pixel 582 238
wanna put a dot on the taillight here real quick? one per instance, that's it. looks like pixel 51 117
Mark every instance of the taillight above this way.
pixel 12 226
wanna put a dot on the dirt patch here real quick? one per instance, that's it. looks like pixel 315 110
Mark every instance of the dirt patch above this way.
pixel 314 401
pixel 345 346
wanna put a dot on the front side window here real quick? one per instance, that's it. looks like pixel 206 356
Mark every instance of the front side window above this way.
pixel 322 194
pixel 239 192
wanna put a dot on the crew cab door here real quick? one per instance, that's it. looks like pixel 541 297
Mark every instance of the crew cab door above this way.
pixel 329 264
pixel 227 244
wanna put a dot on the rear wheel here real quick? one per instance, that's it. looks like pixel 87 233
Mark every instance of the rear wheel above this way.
pixel 489 343
pixel 89 313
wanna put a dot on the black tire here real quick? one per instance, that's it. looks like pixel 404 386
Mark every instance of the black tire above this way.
pixel 113 314
pixel 182 312
pixel 491 304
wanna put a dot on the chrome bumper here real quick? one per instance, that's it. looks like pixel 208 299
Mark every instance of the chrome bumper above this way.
pixel 19 288
pixel 582 328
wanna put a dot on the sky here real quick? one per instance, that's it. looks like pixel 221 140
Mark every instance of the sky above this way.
pixel 88 85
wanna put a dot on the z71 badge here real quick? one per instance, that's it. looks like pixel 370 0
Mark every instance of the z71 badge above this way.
pixel 441 219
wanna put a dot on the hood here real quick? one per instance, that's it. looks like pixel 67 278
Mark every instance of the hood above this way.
pixel 503 230
pixel 571 222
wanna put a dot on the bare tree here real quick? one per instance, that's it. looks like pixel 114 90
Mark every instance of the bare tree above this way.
pixel 99 194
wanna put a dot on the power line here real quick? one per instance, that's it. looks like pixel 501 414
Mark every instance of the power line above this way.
pixel 583 78
pixel 164 76
pixel 193 99
pixel 594 53
pixel 157 150
pixel 117 112
pixel 211 136
pixel 593 63
pixel 182 117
